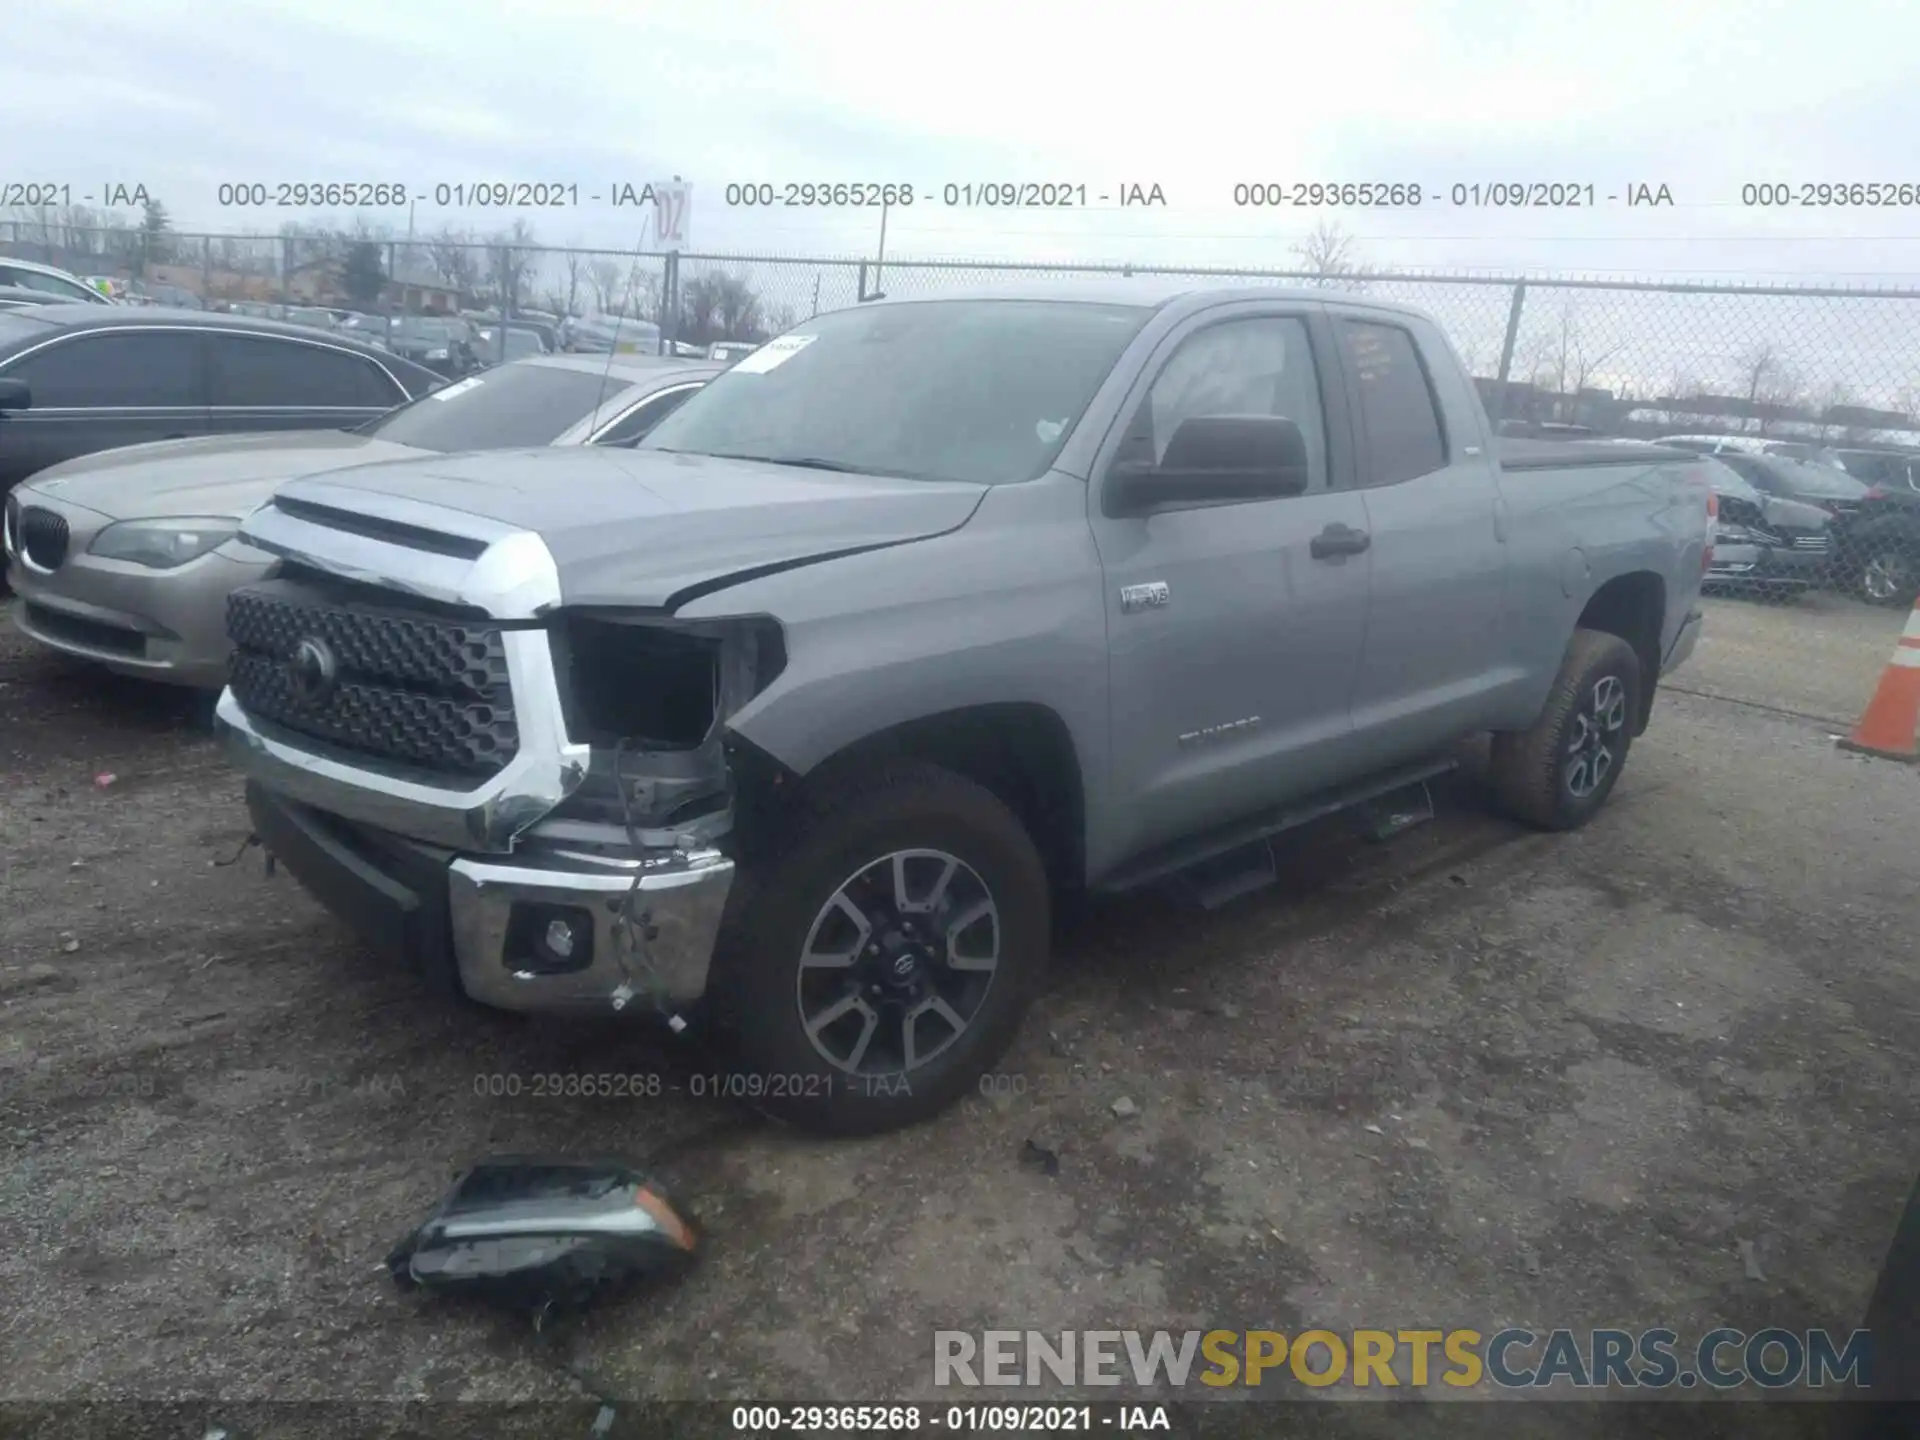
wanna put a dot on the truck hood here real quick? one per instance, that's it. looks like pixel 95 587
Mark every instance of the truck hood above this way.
pixel 230 475
pixel 644 528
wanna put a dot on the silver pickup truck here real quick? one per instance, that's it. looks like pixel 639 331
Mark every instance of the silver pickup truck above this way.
pixel 793 723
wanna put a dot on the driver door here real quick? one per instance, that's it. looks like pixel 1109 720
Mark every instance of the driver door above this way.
pixel 1234 639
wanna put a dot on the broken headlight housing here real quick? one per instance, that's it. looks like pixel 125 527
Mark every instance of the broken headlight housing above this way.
pixel 650 696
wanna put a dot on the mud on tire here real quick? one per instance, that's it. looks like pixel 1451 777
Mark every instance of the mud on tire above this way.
pixel 1557 774
pixel 908 891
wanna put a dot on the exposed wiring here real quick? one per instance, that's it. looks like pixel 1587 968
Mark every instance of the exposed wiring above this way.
pixel 636 929
pixel 245 845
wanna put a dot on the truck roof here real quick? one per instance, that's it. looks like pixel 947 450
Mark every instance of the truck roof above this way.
pixel 1153 292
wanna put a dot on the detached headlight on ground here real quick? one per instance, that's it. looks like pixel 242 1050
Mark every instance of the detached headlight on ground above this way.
pixel 162 544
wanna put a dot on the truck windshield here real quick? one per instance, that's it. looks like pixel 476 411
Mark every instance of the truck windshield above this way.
pixel 984 391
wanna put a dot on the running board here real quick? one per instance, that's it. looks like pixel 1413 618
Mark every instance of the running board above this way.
pixel 1225 864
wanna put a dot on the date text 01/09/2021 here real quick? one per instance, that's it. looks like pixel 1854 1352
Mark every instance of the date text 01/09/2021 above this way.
pixel 971 194
pixel 699 1085
pixel 1475 195
pixel 993 1419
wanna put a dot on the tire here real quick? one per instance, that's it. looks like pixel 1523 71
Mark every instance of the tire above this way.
pixel 1535 772
pixel 834 844
pixel 1887 576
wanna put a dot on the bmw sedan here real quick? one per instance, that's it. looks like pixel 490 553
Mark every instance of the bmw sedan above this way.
pixel 126 558
pixel 75 379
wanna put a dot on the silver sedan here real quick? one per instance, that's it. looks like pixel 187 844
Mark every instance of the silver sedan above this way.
pixel 126 557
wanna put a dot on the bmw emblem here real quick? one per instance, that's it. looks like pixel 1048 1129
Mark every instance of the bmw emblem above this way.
pixel 312 670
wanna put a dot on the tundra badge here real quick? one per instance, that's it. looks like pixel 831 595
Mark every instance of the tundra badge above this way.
pixel 1151 596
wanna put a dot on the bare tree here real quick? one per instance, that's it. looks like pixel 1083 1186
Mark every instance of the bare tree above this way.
pixel 700 309
pixel 1765 383
pixel 1331 256
pixel 573 265
pixel 1562 361
pixel 605 274
pixel 1830 398
pixel 455 258
pixel 513 259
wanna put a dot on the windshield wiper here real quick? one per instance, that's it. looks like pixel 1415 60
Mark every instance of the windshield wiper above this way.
pixel 806 462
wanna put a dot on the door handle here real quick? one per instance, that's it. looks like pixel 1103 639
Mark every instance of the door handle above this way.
pixel 1338 539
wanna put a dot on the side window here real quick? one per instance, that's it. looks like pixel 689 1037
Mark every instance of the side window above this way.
pixel 127 368
pixel 1240 367
pixel 375 389
pixel 1397 413
pixel 634 425
pixel 257 370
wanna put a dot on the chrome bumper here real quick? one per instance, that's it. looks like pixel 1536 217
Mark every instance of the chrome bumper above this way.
pixel 476 922
pixel 675 913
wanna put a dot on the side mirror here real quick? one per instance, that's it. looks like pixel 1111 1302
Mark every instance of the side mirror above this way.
pixel 15 395
pixel 1215 459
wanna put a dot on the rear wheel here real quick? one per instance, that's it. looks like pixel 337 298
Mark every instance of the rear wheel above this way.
pixel 879 954
pixel 1557 774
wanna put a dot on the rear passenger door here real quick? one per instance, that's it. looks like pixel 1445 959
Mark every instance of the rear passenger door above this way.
pixel 99 390
pixel 1435 651
pixel 265 382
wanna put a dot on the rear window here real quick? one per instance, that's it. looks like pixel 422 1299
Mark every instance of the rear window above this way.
pixel 509 407
pixel 1397 410
pixel 1820 480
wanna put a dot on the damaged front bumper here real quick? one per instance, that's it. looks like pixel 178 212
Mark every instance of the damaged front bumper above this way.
pixel 640 924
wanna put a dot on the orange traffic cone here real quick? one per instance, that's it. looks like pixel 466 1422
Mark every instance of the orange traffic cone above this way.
pixel 1892 718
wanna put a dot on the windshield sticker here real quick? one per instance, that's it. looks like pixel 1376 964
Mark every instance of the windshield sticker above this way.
pixel 459 387
pixel 1048 430
pixel 774 352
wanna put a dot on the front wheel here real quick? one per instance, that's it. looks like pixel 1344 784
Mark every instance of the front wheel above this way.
pixel 878 955
pixel 1557 774
pixel 1889 577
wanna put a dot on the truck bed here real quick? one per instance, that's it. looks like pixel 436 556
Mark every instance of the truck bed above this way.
pixel 1516 454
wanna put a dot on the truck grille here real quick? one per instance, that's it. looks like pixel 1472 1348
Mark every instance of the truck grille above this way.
pixel 1817 541
pixel 387 681
pixel 43 537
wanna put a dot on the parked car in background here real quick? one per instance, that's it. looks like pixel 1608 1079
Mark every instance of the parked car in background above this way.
pixel 1876 530
pixel 614 334
pixel 1763 544
pixel 75 379
pixel 1714 444
pixel 443 344
pixel 140 578
pixel 519 343
pixel 61 284
pixel 314 317
pixel 1895 469
pixel 176 297
pixel 15 297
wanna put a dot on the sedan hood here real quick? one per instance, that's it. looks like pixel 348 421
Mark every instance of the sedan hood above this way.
pixel 644 528
pixel 1796 514
pixel 230 475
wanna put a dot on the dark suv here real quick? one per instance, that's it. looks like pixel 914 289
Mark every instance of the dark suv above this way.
pixel 1876 528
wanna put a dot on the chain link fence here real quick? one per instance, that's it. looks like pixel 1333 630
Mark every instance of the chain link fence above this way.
pixel 1808 396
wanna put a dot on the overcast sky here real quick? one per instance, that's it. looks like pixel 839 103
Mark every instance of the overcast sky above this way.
pixel 1194 98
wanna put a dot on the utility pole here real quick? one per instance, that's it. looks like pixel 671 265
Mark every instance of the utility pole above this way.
pixel 880 259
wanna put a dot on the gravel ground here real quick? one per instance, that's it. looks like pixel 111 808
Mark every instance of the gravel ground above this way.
pixel 1652 1073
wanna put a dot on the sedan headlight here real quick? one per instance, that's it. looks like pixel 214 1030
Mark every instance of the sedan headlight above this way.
pixel 162 544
